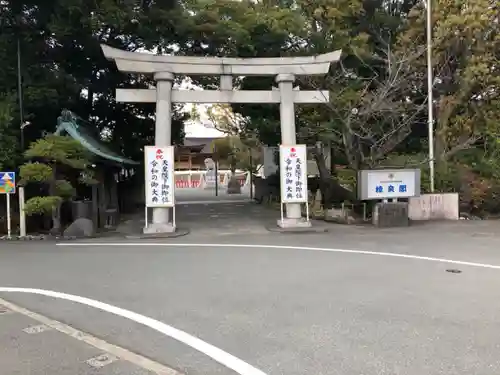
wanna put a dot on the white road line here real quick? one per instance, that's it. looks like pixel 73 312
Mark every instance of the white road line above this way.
pixel 283 247
pixel 117 351
pixel 224 358
pixel 33 330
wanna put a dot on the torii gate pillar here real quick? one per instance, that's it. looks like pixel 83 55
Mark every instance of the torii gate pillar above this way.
pixel 293 218
pixel 163 137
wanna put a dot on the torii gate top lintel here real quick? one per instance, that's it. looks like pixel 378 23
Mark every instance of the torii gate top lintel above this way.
pixel 137 62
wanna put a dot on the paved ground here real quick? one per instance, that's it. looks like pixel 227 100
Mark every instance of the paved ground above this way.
pixel 29 347
pixel 217 219
pixel 226 218
pixel 282 310
pixel 197 195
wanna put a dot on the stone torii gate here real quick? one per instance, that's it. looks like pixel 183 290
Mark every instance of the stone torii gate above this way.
pixel 164 69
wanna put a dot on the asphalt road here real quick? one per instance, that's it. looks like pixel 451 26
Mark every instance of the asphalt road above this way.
pixel 282 310
pixel 29 347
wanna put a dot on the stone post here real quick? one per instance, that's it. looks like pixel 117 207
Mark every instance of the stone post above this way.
pixel 269 161
pixel 163 137
pixel 226 82
pixel 293 216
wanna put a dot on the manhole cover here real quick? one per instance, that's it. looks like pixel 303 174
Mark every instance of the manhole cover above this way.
pixel 453 270
pixel 101 360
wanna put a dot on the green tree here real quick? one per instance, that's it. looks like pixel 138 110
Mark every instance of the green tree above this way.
pixel 232 151
pixel 123 25
pixel 466 56
pixel 46 87
pixel 245 29
pixel 242 146
pixel 63 67
pixel 8 138
pixel 51 158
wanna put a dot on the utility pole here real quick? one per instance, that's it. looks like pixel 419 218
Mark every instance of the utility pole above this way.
pixel 22 214
pixel 20 91
pixel 430 99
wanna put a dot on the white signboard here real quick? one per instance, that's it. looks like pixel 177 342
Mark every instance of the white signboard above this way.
pixel 388 183
pixel 293 171
pixel 159 165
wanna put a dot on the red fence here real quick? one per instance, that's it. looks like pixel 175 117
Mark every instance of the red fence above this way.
pixel 184 184
pixel 183 181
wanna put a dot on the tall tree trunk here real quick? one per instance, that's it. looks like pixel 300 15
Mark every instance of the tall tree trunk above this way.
pixel 324 177
pixel 333 168
pixel 56 220
pixel 233 186
pixel 232 165
pixel 56 211
pixel 331 190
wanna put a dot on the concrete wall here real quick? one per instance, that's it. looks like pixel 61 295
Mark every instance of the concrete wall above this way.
pixel 434 207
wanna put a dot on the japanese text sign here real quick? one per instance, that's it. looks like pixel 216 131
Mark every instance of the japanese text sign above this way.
pixel 388 183
pixel 293 171
pixel 159 168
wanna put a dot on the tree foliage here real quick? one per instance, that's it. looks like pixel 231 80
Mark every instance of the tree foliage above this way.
pixel 62 65
pixel 232 152
pixel 51 158
pixel 466 57
pixel 8 137
pixel 378 92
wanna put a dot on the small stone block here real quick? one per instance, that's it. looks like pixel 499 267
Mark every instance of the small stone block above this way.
pixel 179 232
pixel 36 329
pixel 101 360
pixel 159 228
pixel 391 214
pixel 293 223
pixel 81 227
pixel 311 229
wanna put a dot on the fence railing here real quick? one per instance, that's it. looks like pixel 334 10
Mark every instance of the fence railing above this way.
pixel 203 180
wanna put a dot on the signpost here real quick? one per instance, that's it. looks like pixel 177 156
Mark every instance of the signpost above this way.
pixel 8 187
pixel 293 171
pixel 160 183
pixel 388 184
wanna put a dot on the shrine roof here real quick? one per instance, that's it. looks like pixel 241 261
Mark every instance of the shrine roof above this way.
pixel 191 148
pixel 73 125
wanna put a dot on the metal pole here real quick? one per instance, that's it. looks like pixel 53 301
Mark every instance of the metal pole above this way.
pixel 430 99
pixel 216 177
pixel 174 220
pixel 22 213
pixel 8 216
pixel 20 92
pixel 251 175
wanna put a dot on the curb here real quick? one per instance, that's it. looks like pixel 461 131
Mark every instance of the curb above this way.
pixel 179 232
pixel 312 229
